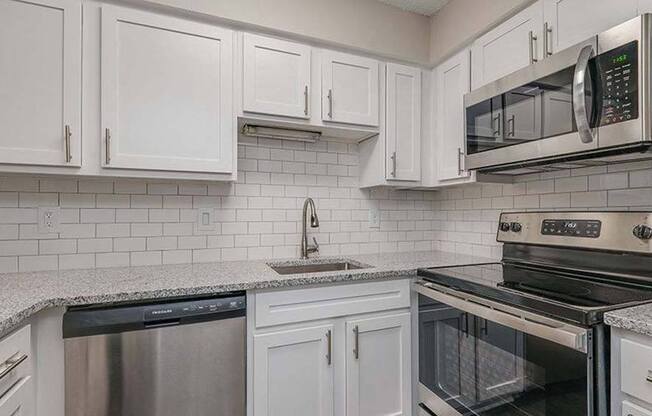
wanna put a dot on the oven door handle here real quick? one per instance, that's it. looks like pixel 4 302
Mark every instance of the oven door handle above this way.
pixel 556 331
pixel 579 94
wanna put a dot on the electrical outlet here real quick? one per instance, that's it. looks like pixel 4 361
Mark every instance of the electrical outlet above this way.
pixel 374 218
pixel 205 219
pixel 49 220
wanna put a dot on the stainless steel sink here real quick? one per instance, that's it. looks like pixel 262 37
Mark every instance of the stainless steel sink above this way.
pixel 293 268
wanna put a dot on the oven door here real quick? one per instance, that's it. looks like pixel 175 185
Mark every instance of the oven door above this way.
pixel 477 360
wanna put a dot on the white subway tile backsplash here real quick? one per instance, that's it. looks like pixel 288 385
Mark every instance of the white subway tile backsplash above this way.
pixel 122 222
pixel 76 261
pixel 37 263
pixel 111 260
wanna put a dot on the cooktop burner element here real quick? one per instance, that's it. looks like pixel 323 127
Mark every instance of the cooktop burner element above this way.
pixel 571 276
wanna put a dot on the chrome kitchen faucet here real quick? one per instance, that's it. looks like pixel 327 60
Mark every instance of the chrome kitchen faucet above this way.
pixel 314 223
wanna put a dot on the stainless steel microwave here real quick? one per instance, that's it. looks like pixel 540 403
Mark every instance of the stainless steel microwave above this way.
pixel 587 105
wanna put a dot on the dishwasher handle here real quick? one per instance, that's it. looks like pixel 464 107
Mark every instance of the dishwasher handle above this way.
pixel 99 320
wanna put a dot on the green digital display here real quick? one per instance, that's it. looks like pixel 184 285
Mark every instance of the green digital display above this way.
pixel 620 59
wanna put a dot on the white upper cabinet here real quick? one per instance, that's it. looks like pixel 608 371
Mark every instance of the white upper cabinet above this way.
pixel 644 6
pixel 378 376
pixel 572 21
pixel 513 45
pixel 167 93
pixel 403 123
pixel 293 372
pixel 350 89
pixel 453 80
pixel 40 82
pixel 276 78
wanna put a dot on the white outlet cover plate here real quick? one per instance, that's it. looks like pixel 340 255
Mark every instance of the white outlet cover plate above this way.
pixel 374 218
pixel 49 220
pixel 205 219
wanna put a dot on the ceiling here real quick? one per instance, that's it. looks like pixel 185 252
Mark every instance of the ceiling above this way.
pixel 424 7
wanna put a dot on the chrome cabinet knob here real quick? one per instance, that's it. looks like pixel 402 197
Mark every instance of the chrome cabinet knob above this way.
pixel 642 231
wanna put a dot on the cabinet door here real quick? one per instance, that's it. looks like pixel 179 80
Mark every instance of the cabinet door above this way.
pixel 513 45
pixel 572 21
pixel 378 380
pixel 167 92
pixel 349 89
pixel 403 123
pixel 453 81
pixel 293 372
pixel 40 82
pixel 276 77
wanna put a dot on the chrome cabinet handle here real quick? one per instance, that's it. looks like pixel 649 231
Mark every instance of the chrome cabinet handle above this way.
pixel 547 38
pixel 496 122
pixel 510 125
pixel 305 100
pixel 460 153
pixel 579 94
pixel 9 365
pixel 356 342
pixel 393 158
pixel 329 352
pixel 330 103
pixel 67 135
pixel 533 41
pixel 107 143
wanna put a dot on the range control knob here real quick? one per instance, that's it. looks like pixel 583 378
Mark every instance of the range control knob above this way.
pixel 504 226
pixel 516 227
pixel 642 231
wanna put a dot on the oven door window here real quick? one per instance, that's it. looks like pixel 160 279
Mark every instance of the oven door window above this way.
pixel 482 368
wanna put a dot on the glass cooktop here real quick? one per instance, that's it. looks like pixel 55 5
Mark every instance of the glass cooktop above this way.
pixel 574 297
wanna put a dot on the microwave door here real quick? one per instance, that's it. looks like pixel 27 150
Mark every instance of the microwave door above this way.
pixel 538 109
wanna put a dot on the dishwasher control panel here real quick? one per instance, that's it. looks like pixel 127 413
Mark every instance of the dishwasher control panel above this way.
pixel 178 310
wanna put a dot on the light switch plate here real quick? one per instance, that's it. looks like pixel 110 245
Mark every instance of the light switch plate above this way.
pixel 205 219
pixel 374 218
pixel 49 220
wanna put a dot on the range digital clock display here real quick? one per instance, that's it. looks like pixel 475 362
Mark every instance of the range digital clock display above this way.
pixel 572 228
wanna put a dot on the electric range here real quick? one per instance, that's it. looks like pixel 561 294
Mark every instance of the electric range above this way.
pixel 525 336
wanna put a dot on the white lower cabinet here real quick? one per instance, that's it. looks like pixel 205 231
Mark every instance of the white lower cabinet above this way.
pixel 293 372
pixel 631 372
pixel 354 359
pixel 377 366
pixel 16 380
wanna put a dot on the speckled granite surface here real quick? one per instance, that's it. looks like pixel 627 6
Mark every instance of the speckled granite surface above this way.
pixel 635 319
pixel 24 294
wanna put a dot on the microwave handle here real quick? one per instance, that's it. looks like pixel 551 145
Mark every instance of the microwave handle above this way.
pixel 579 94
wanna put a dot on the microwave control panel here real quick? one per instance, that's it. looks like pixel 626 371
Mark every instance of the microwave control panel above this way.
pixel 619 78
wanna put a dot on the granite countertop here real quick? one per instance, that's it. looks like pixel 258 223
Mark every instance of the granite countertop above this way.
pixel 636 319
pixel 24 294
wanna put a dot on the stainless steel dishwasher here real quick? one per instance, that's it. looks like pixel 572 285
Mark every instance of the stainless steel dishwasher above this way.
pixel 172 358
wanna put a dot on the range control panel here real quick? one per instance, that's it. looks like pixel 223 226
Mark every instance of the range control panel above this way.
pixel 619 78
pixel 571 228
pixel 605 230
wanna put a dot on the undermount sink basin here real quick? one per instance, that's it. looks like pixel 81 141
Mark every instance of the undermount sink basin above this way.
pixel 316 267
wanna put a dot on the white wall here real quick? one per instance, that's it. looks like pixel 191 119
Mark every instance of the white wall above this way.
pixel 461 21
pixel 366 25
